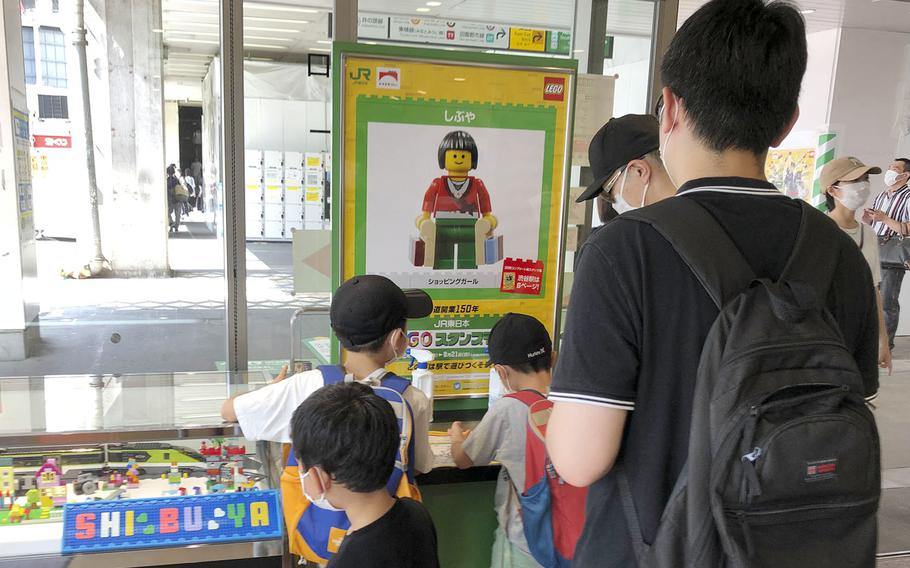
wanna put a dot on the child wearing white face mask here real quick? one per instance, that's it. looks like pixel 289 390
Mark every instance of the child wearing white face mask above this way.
pixel 521 354
pixel 847 189
pixel 345 439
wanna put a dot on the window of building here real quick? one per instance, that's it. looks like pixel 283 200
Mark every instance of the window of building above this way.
pixel 28 4
pixel 53 106
pixel 55 5
pixel 53 58
pixel 28 54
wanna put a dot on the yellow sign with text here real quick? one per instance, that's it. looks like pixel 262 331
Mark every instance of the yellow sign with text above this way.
pixel 525 39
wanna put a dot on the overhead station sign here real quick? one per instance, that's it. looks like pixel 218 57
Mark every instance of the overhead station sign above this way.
pixel 462 33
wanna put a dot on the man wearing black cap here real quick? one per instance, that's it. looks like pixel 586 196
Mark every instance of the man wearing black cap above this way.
pixel 521 354
pixel 628 173
pixel 369 316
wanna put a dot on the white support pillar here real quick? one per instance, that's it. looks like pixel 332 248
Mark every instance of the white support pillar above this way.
pixel 18 266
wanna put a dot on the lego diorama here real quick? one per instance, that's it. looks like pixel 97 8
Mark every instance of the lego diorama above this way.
pixel 36 483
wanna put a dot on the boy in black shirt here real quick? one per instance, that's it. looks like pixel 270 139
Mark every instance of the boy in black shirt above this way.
pixel 346 437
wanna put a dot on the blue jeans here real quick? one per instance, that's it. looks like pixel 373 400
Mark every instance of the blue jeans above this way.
pixel 891 292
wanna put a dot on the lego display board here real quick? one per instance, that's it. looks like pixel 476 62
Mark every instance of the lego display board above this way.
pixel 36 484
pixel 452 174
pixel 103 526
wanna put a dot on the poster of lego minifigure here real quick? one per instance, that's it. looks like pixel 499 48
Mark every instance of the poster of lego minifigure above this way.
pixel 451 175
pixel 792 171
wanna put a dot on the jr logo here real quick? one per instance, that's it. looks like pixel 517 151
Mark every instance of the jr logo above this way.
pixel 362 74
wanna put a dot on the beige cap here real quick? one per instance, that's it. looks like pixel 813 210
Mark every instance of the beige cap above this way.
pixel 845 169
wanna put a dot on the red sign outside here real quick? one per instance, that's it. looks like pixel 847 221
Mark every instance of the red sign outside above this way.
pixel 44 141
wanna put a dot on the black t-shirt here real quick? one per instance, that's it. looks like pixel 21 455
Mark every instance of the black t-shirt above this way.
pixel 636 326
pixel 404 537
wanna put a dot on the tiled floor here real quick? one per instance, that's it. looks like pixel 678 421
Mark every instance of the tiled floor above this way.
pixel 893 420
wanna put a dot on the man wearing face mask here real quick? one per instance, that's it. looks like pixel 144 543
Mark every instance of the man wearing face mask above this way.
pixel 847 189
pixel 625 381
pixel 369 317
pixel 628 172
pixel 889 217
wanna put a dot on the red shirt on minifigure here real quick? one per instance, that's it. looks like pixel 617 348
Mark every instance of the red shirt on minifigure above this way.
pixel 439 197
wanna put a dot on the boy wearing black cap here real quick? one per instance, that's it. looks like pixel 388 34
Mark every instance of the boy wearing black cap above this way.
pixel 521 353
pixel 368 315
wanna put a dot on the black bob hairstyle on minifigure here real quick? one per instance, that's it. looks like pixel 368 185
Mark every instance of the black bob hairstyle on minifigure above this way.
pixel 457 140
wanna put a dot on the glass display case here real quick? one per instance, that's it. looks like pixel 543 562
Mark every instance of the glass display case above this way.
pixel 80 439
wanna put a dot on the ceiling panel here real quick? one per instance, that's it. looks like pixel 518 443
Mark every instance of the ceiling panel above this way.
pixel 280 30
pixel 820 14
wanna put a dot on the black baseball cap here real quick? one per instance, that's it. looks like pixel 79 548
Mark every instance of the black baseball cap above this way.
pixel 517 339
pixel 617 143
pixel 367 307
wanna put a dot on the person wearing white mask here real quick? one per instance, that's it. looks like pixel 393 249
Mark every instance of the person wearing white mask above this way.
pixel 345 439
pixel 847 189
pixel 890 218
pixel 624 387
pixel 521 359
pixel 626 166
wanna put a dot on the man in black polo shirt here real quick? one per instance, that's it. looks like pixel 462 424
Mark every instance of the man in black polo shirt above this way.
pixel 625 376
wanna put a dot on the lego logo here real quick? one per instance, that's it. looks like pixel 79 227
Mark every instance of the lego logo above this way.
pixel 554 88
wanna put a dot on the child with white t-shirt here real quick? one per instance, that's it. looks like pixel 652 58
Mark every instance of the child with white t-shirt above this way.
pixel 369 317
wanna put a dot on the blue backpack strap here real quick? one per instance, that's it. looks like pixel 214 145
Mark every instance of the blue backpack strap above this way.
pixel 396 383
pixel 400 385
pixel 331 374
pixel 392 389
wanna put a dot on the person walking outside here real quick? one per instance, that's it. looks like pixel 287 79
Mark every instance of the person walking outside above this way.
pixel 174 206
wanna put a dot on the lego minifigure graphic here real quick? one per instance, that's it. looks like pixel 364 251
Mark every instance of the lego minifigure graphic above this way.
pixel 456 218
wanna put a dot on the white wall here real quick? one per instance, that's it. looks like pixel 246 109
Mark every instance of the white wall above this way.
pixel 869 104
pixel 171 133
pixel 868 86
pixel 271 124
pixel 630 64
pixel 818 84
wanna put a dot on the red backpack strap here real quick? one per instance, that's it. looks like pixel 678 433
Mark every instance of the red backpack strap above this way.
pixel 528 396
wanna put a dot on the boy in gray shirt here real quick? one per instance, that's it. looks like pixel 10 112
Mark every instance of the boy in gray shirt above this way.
pixel 521 354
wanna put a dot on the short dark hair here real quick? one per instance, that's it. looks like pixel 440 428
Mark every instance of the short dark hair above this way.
pixel 350 433
pixel 457 140
pixel 738 65
pixel 171 170
pixel 533 366
pixel 376 345
pixel 830 205
pixel 905 161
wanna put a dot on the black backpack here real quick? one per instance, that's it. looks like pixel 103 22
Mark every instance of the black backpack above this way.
pixel 783 466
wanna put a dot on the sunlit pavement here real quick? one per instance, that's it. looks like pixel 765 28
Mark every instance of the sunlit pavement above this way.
pixel 130 325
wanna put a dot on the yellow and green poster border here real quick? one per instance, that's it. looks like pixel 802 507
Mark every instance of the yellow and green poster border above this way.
pixel 491 106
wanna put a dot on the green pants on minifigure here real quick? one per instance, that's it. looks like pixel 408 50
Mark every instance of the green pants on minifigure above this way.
pixel 451 232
